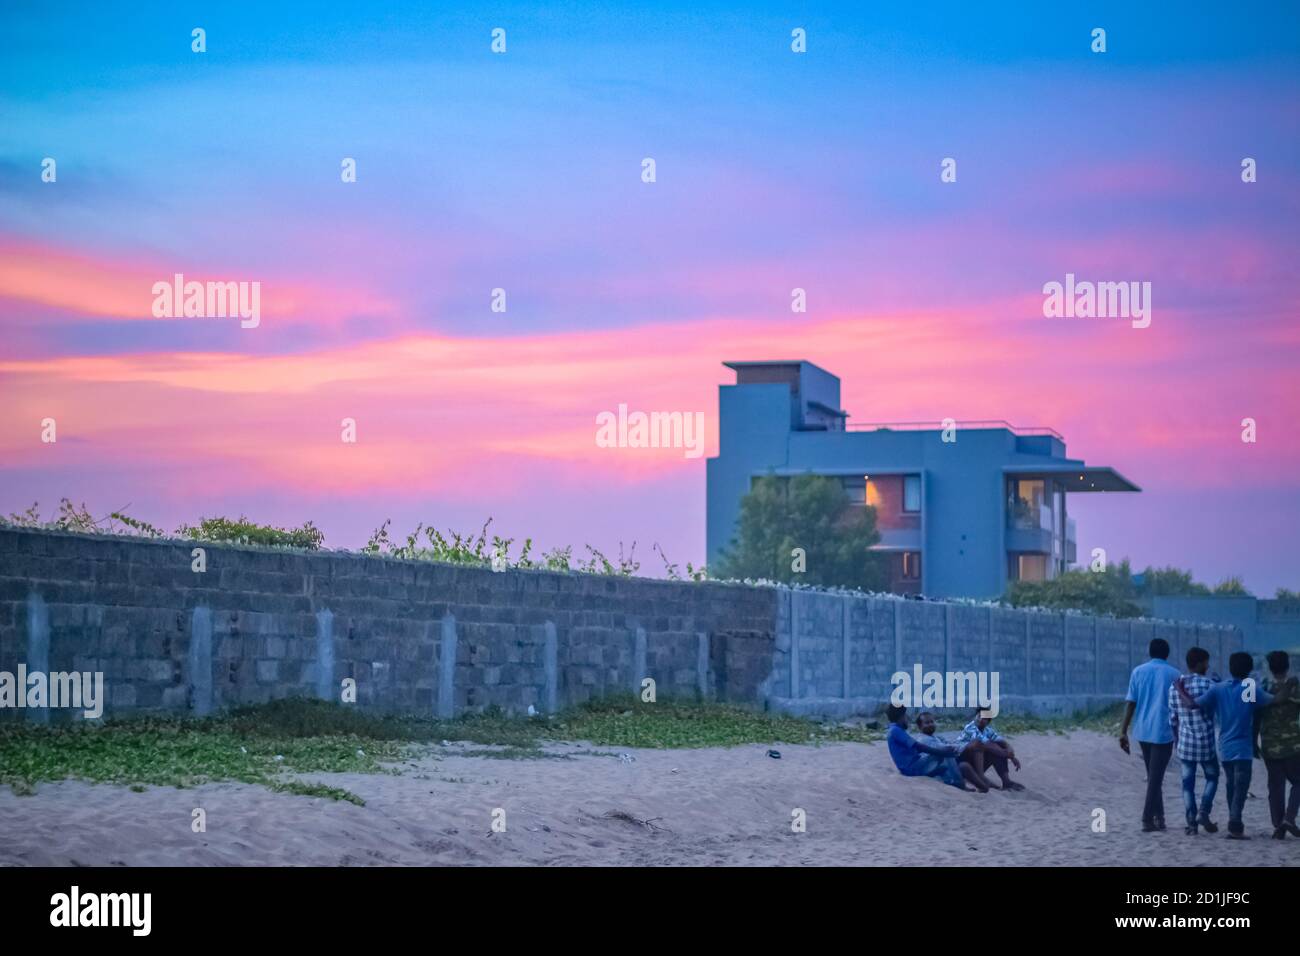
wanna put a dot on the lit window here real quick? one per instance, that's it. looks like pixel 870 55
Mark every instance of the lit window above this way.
pixel 912 493
pixel 912 565
pixel 873 493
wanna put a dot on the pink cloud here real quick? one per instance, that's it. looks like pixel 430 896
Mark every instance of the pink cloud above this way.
pixel 436 413
pixel 82 285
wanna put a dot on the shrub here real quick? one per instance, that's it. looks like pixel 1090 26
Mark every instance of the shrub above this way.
pixel 243 531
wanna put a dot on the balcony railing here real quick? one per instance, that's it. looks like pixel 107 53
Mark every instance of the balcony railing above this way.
pixel 938 426
pixel 1026 517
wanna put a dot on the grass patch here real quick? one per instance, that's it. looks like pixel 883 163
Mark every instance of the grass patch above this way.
pixel 180 752
pixel 267 743
pixel 317 790
pixel 619 722
pixel 510 753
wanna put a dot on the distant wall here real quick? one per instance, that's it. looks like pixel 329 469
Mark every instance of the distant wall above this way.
pixel 1266 625
pixel 425 638
pixel 836 654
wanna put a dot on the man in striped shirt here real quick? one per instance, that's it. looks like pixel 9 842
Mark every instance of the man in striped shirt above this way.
pixel 1194 735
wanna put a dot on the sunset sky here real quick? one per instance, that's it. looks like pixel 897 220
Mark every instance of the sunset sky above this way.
pixel 522 171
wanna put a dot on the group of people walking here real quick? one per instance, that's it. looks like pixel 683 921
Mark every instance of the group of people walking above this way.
pixel 1171 713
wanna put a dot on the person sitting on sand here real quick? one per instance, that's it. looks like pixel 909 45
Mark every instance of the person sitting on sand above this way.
pixel 971 751
pixel 997 749
pixel 914 758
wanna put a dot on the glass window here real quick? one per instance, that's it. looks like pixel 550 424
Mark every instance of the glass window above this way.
pixel 856 489
pixel 912 565
pixel 1033 567
pixel 911 492
pixel 1031 492
pixel 873 493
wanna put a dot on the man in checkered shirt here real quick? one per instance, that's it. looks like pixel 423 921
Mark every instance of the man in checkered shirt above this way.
pixel 1194 736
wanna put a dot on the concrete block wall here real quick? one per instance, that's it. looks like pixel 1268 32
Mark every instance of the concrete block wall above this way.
pixel 435 639
pixel 417 637
pixel 1046 662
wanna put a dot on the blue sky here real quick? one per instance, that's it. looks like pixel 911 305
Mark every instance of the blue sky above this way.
pixel 775 170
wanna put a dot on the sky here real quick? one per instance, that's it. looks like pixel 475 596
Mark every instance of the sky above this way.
pixel 522 171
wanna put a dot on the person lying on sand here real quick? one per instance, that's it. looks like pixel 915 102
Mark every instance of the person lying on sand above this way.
pixel 969 751
pixel 914 758
pixel 997 749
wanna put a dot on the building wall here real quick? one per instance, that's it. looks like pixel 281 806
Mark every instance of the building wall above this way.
pixel 898 583
pixel 425 638
pixel 963 523
pixel 885 494
pixel 964 514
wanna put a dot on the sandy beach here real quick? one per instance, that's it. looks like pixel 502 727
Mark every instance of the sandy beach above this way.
pixel 676 807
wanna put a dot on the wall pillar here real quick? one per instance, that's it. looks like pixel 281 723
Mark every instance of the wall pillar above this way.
pixel 845 631
pixel 898 636
pixel 1029 669
pixel 1096 658
pixel 702 664
pixel 947 638
pixel 988 647
pixel 325 689
pixel 1065 655
pixel 447 668
pixel 551 668
pixel 200 659
pixel 795 608
pixel 639 666
pixel 38 652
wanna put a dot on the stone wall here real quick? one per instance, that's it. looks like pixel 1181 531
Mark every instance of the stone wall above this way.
pixel 835 654
pixel 437 639
pixel 417 637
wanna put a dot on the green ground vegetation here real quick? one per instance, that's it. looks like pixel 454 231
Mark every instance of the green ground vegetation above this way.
pixel 272 743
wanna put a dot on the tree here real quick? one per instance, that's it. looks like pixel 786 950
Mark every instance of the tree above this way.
pixel 1094 592
pixel 804 529
pixel 1169 581
pixel 1232 587
pixel 1285 594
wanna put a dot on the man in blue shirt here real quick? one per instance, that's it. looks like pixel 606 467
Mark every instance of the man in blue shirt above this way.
pixel 916 759
pixel 1233 704
pixel 1148 712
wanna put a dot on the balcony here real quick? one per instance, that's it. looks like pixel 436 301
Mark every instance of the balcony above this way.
pixel 1031 530
pixel 1029 527
pixel 1029 516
